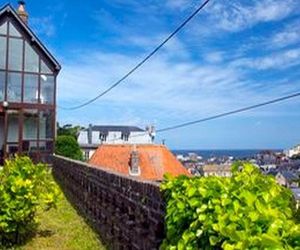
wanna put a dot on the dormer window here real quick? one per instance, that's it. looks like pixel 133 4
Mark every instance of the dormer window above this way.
pixel 124 137
pixel 102 136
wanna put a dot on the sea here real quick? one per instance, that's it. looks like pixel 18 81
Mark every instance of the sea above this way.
pixel 237 154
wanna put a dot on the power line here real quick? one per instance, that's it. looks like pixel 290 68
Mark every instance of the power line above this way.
pixel 143 61
pixel 229 113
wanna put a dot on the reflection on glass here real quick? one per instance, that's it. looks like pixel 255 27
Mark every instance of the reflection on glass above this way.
pixel 15 54
pixel 30 125
pixel 13 31
pixel 3 29
pixel 45 69
pixel 47 89
pixel 2 85
pixel 13 128
pixel 46 125
pixel 31 59
pixel 14 87
pixel 2 52
pixel 31 86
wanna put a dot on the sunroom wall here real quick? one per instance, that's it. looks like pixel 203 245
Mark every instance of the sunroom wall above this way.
pixel 25 76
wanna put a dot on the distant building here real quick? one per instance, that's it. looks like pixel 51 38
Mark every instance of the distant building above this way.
pixel 144 162
pixel 89 139
pixel 293 151
pixel 287 179
pixel 296 193
pixel 217 170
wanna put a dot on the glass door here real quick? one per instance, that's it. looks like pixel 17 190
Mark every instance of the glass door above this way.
pixel 13 133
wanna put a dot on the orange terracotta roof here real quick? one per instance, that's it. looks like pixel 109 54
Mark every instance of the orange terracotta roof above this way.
pixel 154 160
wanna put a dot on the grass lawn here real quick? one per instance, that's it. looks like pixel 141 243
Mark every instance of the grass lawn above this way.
pixel 63 229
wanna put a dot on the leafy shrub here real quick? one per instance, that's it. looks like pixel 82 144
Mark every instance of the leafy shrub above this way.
pixel 67 146
pixel 24 188
pixel 247 211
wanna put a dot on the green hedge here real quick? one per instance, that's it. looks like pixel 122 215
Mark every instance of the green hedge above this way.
pixel 24 188
pixel 247 211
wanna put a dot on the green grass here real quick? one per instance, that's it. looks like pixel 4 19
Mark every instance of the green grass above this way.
pixel 63 229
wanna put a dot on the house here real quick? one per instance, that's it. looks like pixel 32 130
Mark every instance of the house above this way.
pixel 89 139
pixel 28 75
pixel 144 162
pixel 296 193
pixel 217 170
pixel 293 151
pixel 287 179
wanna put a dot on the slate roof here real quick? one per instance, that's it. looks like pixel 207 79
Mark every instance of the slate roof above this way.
pixel 289 176
pixel 296 193
pixel 154 161
pixel 109 128
pixel 9 9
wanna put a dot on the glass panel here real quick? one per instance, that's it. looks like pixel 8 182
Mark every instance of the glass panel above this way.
pixel 46 125
pixel 45 68
pixel 2 86
pixel 3 28
pixel 47 89
pixel 13 31
pixel 31 59
pixel 30 125
pixel 13 128
pixel 14 87
pixel 15 54
pixel 46 146
pixel 31 88
pixel 2 52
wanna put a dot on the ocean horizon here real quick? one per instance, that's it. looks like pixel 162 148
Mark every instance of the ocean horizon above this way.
pixel 236 153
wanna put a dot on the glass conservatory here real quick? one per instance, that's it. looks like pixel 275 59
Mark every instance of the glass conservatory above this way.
pixel 27 91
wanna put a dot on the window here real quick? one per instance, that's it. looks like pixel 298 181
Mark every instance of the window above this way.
pixel 2 52
pixel 15 54
pixel 124 137
pixel 31 88
pixel 46 125
pixel 13 128
pixel 13 31
pixel 31 59
pixel 47 89
pixel 2 85
pixel 102 136
pixel 30 125
pixel 14 87
pixel 45 69
pixel 3 29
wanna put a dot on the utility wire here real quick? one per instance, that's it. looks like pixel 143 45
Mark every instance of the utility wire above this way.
pixel 229 113
pixel 143 61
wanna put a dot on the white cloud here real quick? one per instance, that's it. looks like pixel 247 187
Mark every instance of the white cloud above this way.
pixel 239 15
pixel 280 60
pixel 163 88
pixel 288 36
pixel 43 26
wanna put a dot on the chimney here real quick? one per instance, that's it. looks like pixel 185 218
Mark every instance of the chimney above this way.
pixel 90 134
pixel 134 168
pixel 22 11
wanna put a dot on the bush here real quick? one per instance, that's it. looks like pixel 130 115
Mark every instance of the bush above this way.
pixel 24 188
pixel 67 146
pixel 247 211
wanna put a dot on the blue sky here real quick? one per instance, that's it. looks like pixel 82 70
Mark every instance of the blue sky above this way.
pixel 235 53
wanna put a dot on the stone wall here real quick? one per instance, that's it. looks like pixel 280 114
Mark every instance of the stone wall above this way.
pixel 128 214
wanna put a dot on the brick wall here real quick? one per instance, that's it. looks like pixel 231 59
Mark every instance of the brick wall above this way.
pixel 128 214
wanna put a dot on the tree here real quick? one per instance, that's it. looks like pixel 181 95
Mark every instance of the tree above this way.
pixel 67 145
pixel 69 129
pixel 247 211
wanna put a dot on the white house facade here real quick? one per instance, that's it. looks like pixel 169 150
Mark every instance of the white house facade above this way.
pixel 90 139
